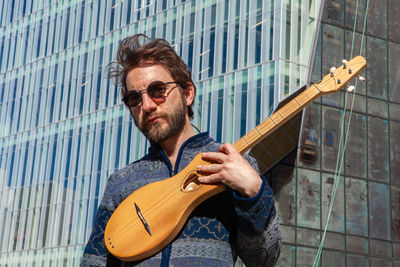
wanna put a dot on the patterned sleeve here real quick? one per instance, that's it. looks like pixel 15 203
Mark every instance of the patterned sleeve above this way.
pixel 259 237
pixel 96 253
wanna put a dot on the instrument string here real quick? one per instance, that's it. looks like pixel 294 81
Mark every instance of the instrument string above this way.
pixel 146 212
pixel 174 190
pixel 343 137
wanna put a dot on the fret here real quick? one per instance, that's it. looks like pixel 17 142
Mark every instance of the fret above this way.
pixel 267 152
pixel 258 130
pixel 241 146
pixel 266 126
pixel 276 118
pixel 244 139
pixel 289 110
pixel 295 99
pixel 309 95
pixel 277 112
pixel 252 136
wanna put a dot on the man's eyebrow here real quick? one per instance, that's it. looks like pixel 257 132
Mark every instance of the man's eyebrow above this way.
pixel 132 89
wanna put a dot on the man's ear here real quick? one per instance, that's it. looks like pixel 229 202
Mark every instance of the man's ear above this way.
pixel 189 92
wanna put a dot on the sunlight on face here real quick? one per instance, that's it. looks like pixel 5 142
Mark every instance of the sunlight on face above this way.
pixel 157 119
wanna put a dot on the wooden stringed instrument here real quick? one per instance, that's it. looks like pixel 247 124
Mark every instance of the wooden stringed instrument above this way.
pixel 152 216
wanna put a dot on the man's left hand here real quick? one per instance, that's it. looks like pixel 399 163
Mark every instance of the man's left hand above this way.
pixel 231 168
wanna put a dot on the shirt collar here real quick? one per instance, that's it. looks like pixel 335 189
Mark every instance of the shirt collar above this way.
pixel 194 141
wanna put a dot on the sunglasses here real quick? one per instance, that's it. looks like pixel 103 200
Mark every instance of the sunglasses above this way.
pixel 156 89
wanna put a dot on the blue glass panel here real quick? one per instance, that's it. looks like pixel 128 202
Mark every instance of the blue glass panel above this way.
pixel 377 70
pixel 39 34
pixel 378 147
pixel 219 117
pixel 308 198
pixel 224 47
pixel 379 211
pixel 68 155
pixel 101 146
pixel 395 206
pixel 81 22
pixel 11 156
pixel 356 207
pixel 235 47
pixel 118 142
pixel 52 163
pixel 211 53
pixel 243 108
pixel 111 17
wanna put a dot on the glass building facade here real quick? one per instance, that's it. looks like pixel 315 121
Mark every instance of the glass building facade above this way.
pixel 364 228
pixel 64 130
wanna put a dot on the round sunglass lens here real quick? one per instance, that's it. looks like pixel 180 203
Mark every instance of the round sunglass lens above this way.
pixel 133 99
pixel 157 89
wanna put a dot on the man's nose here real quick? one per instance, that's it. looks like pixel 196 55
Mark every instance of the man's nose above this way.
pixel 148 103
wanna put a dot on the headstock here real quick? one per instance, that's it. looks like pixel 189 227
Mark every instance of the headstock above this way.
pixel 339 77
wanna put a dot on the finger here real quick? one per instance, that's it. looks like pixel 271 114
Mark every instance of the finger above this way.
pixel 213 178
pixel 213 168
pixel 214 156
pixel 228 149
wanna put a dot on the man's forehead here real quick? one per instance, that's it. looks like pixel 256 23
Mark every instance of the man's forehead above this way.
pixel 141 76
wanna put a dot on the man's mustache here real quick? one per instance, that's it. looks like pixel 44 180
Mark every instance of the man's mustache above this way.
pixel 152 115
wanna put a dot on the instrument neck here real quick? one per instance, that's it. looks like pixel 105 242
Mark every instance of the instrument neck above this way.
pixel 277 119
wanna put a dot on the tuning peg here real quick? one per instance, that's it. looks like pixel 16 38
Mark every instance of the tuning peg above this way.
pixel 361 78
pixel 332 71
pixel 351 88
pixel 344 61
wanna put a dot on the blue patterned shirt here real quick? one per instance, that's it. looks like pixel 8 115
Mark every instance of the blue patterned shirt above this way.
pixel 218 230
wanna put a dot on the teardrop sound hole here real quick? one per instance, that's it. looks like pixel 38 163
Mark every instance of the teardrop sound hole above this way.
pixel 191 183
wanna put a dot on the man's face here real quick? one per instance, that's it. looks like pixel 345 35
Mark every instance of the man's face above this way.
pixel 157 118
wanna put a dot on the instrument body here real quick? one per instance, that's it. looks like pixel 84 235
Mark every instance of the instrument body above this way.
pixel 175 197
pixel 152 216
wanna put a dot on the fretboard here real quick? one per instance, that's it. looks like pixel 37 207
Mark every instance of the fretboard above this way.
pixel 332 82
pixel 278 118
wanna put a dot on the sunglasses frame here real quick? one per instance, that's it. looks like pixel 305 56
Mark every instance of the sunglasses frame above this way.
pixel 125 99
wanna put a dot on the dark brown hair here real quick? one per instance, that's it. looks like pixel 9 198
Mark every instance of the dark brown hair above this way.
pixel 140 50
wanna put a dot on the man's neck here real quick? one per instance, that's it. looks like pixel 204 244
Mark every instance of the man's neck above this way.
pixel 172 145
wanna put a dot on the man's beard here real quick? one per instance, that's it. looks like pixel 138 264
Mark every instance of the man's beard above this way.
pixel 174 123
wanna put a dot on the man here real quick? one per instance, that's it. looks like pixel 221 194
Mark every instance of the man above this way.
pixel 159 92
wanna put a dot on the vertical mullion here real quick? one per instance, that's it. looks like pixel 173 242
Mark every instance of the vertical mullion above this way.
pixel 58 26
pixel 60 84
pixel 237 100
pixel 214 101
pixel 44 34
pixel 207 46
pixel 124 141
pixel 51 32
pixel 17 101
pixel 294 55
pixel 219 37
pixel 42 109
pixel 251 105
pixel 4 103
pixel 8 204
pixel 243 27
pixel 65 91
pixel 227 110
